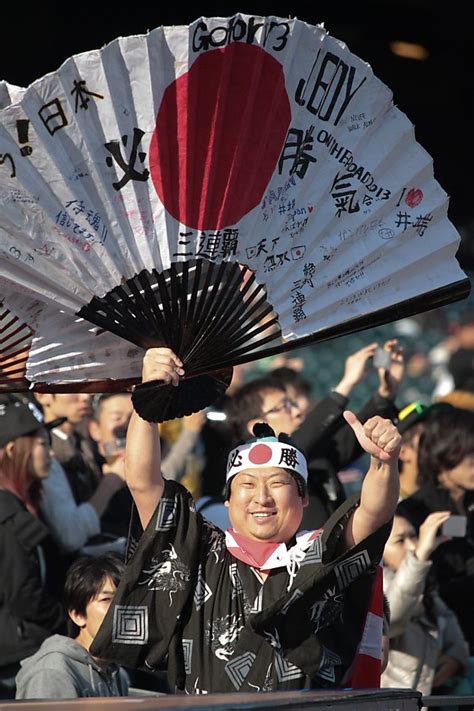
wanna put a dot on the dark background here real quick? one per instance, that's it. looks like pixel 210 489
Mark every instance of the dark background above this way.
pixel 437 94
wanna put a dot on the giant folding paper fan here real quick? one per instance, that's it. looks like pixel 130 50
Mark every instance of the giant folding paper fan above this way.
pixel 230 189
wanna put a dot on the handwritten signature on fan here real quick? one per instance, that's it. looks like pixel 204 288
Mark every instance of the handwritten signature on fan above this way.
pixel 238 30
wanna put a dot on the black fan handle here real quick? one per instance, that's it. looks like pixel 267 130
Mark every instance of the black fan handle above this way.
pixel 157 401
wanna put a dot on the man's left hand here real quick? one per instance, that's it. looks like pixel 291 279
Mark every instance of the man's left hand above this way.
pixel 378 437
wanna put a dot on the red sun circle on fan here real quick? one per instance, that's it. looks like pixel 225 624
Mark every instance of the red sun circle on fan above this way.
pixel 260 454
pixel 219 133
pixel 414 197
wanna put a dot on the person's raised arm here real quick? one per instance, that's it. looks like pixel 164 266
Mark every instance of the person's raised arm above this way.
pixel 143 453
pixel 355 369
pixel 391 378
pixel 174 464
pixel 381 486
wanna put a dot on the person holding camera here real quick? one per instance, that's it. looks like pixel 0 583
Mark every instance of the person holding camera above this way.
pixel 427 648
pixel 446 478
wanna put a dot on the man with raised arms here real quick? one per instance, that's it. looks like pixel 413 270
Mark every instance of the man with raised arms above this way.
pixel 261 606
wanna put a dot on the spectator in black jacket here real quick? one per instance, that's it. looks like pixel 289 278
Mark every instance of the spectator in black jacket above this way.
pixel 322 433
pixel 70 444
pixel 30 589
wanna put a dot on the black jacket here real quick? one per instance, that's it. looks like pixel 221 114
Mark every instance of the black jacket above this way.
pixel 330 445
pixel 76 455
pixel 453 561
pixel 29 612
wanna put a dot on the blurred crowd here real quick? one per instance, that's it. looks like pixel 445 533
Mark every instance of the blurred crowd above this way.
pixel 65 507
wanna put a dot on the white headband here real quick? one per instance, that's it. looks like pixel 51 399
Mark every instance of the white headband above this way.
pixel 266 452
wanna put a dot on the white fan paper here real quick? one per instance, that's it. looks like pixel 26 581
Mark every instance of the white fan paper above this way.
pixel 82 358
pixel 133 173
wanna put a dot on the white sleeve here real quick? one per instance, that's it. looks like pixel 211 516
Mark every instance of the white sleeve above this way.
pixel 71 525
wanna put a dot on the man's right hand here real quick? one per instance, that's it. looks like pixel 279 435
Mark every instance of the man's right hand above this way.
pixel 162 364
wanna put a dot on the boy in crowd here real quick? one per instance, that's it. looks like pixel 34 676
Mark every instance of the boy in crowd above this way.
pixel 63 667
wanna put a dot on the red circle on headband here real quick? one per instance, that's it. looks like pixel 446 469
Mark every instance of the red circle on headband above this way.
pixel 260 454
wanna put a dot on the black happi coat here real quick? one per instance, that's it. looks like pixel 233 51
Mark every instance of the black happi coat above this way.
pixel 185 599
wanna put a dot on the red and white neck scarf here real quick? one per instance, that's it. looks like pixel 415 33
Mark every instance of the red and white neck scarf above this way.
pixel 265 556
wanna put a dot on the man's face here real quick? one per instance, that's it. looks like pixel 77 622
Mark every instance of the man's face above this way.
pixel 280 411
pixel 96 610
pixel 264 504
pixel 112 420
pixel 74 406
pixel 301 400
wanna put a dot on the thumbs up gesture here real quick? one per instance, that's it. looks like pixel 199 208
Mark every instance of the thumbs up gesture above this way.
pixel 378 437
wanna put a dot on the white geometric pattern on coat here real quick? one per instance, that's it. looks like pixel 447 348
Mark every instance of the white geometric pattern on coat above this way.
pixel 237 669
pixel 202 591
pixel 285 670
pixel 166 515
pixel 328 661
pixel 257 603
pixel 236 580
pixel 351 568
pixel 130 624
pixel 187 653
pixel 314 553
